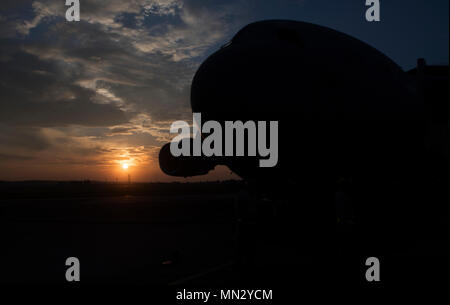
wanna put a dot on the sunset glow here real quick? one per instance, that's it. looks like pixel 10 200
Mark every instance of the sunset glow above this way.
pixel 95 99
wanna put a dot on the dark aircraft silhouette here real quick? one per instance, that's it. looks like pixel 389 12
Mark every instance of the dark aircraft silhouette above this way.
pixel 343 107
pixel 346 112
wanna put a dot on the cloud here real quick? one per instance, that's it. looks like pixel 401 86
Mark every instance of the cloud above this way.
pixel 28 139
pixel 34 92
pixel 106 88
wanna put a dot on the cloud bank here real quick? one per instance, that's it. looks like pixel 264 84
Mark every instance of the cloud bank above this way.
pixel 105 89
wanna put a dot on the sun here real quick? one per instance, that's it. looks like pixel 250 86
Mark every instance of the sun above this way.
pixel 125 166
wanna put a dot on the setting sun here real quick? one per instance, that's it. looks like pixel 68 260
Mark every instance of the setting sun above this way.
pixel 125 166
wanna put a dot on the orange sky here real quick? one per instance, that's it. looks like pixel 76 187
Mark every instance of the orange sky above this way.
pixel 139 173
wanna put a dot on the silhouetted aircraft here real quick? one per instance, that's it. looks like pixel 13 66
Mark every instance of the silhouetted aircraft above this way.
pixel 343 107
pixel 344 110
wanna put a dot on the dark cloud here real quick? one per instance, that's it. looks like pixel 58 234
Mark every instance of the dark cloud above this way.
pixel 34 92
pixel 29 139
pixel 70 73
pixel 10 157
pixel 122 130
